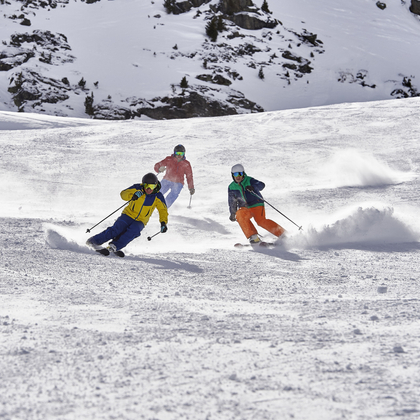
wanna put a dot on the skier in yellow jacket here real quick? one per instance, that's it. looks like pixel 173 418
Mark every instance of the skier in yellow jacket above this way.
pixel 143 198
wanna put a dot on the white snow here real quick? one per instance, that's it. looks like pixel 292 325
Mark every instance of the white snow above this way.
pixel 324 326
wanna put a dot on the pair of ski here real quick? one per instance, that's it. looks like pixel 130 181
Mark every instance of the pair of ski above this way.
pixel 106 252
pixel 102 250
pixel 261 244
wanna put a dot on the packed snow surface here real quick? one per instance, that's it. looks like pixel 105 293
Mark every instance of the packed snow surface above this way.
pixel 323 326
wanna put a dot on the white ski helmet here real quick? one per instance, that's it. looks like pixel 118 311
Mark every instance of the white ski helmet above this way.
pixel 237 168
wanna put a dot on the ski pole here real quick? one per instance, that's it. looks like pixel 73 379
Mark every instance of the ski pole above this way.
pixel 149 238
pixel 189 206
pixel 256 195
pixel 88 230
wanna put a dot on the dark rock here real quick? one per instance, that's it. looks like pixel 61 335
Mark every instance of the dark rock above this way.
pixel 305 68
pixel 381 5
pixel 30 86
pixel 44 39
pixel 309 38
pixel 246 15
pixel 290 66
pixel 217 79
pixel 178 7
pixel 106 110
pixel 239 100
pixel 415 7
pixel 230 7
pixel 247 49
pixel 252 22
pixel 25 22
pixel 8 62
pixel 193 103
pixel 183 6
pixel 290 56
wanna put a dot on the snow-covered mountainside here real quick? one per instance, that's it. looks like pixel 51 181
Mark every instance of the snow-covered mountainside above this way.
pixel 169 59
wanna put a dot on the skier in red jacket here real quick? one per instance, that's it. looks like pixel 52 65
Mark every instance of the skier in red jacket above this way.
pixel 177 167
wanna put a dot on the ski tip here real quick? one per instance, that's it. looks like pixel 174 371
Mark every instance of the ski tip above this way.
pixel 102 251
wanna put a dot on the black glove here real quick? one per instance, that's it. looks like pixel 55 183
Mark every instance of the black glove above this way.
pixel 137 195
pixel 163 227
pixel 232 218
pixel 250 188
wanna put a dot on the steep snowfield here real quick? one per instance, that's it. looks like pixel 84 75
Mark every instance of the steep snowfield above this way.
pixel 323 326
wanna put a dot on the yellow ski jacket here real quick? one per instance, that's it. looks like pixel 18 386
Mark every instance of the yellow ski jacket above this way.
pixel 142 208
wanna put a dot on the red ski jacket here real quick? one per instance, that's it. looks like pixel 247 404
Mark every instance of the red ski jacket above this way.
pixel 175 170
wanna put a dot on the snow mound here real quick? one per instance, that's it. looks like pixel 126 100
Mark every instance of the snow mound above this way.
pixel 57 237
pixel 362 226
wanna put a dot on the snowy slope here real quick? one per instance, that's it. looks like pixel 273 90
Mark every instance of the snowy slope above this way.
pixel 324 326
pixel 129 49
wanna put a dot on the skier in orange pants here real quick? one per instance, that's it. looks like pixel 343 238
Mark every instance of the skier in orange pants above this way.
pixel 246 202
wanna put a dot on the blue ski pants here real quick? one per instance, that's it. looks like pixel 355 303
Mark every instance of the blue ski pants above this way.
pixel 175 188
pixel 124 230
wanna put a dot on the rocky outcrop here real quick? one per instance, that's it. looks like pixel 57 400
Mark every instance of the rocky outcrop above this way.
pixel 415 7
pixel 242 13
pixel 35 4
pixel 196 101
pixel 15 58
pixel 407 89
pixel 44 39
pixel 45 46
pixel 253 21
pixel 214 78
pixel 246 15
pixel 230 7
pixel 178 7
pixel 29 87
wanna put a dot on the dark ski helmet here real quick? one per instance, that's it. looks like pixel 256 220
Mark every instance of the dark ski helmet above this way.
pixel 179 148
pixel 150 178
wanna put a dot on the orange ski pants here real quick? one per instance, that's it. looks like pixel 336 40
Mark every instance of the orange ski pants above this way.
pixel 244 216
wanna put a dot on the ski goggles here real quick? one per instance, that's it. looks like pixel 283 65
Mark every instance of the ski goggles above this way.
pixel 235 174
pixel 151 186
pixel 180 153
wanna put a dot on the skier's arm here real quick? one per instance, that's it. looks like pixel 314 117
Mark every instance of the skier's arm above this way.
pixel 127 194
pixel 258 185
pixel 159 165
pixel 189 176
